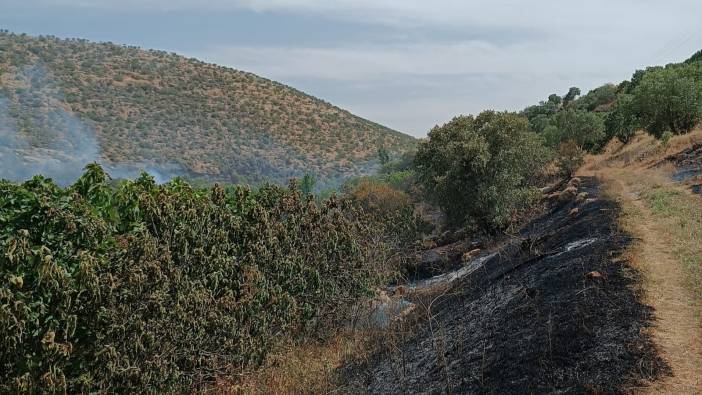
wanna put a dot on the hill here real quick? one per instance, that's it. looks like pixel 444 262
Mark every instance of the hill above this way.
pixel 74 101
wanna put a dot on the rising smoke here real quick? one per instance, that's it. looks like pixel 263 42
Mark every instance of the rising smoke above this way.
pixel 39 136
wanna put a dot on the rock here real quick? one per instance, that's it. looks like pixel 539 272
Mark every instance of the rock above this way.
pixel 429 243
pixel 581 198
pixel 568 194
pixel 574 212
pixel 381 311
pixel 470 255
pixel 594 275
pixel 575 182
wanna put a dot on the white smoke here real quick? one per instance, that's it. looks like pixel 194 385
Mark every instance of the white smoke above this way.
pixel 60 145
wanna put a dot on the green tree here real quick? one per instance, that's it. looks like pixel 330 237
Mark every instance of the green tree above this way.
pixel 602 95
pixel 572 94
pixel 622 121
pixel 555 99
pixel 481 171
pixel 670 99
pixel 585 128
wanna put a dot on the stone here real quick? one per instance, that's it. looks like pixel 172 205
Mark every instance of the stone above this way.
pixel 470 255
pixel 594 275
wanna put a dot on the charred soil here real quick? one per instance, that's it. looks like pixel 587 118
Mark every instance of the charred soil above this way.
pixel 556 310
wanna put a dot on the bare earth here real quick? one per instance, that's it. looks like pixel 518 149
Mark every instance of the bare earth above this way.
pixel 678 325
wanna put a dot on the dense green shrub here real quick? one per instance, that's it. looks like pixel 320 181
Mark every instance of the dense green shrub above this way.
pixel 482 170
pixel 600 96
pixel 669 99
pixel 585 128
pixel 148 288
pixel 622 121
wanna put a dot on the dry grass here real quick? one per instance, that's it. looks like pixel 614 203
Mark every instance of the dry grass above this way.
pixel 302 369
pixel 666 221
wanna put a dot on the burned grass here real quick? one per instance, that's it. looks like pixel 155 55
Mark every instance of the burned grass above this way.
pixel 556 311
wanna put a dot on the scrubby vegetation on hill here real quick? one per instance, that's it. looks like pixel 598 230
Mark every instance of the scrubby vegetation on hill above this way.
pixel 140 286
pixel 214 122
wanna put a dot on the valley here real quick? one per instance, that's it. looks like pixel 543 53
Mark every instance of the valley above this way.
pixel 173 226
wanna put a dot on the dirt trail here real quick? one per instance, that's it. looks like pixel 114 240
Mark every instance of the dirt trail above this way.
pixel 677 331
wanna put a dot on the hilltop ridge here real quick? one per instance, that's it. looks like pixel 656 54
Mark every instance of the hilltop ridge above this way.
pixel 180 116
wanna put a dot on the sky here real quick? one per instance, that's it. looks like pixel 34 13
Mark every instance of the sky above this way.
pixel 407 64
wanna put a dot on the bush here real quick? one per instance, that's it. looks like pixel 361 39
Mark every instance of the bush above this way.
pixel 669 99
pixel 570 157
pixel 481 171
pixel 585 128
pixel 148 288
pixel 389 206
pixel 622 121
pixel 601 96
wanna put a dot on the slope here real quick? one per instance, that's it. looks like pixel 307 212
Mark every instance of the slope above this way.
pixel 166 111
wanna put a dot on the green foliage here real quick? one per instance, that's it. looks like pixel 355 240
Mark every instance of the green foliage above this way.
pixel 569 157
pixel 390 206
pixel 145 288
pixel 601 96
pixel 555 99
pixel 540 115
pixel 622 121
pixel 307 184
pixel 669 99
pixel 482 170
pixel 696 57
pixel 585 128
pixel 572 94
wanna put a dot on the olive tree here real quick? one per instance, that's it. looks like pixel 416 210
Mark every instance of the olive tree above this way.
pixel 585 128
pixel 669 99
pixel 482 170
pixel 622 121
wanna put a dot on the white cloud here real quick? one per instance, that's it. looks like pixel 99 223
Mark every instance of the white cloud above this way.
pixel 547 13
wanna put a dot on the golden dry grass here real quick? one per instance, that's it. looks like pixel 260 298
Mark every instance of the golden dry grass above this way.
pixel 666 221
pixel 299 369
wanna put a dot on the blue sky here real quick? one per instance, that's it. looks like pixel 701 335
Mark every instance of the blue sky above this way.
pixel 407 64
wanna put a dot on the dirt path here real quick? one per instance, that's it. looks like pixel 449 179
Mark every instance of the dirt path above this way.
pixel 677 331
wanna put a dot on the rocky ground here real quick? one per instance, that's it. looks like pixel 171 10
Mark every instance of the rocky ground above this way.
pixel 552 310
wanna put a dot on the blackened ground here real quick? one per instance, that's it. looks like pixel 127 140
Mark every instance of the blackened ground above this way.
pixel 534 319
pixel 688 163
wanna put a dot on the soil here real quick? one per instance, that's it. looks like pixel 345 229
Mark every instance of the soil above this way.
pixel 556 310
pixel 677 330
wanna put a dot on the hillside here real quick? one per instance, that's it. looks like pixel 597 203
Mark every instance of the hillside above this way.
pixel 77 101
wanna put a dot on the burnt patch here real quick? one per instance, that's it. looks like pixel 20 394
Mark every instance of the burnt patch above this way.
pixel 555 311
pixel 688 163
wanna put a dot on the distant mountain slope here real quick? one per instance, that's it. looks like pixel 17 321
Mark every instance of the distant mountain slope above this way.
pixel 153 109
